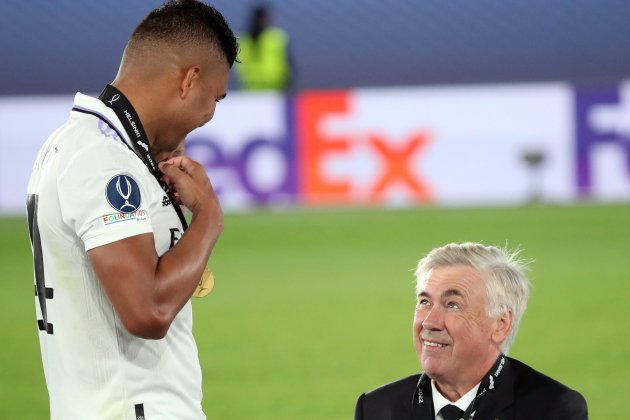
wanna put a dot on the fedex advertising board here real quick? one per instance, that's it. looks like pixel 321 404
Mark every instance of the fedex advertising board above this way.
pixel 460 145
pixel 433 145
pixel 248 150
pixel 602 142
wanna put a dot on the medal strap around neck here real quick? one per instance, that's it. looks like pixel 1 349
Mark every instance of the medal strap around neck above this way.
pixel 489 382
pixel 420 405
pixel 118 102
pixel 139 141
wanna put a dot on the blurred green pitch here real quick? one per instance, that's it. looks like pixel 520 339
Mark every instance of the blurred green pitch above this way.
pixel 311 308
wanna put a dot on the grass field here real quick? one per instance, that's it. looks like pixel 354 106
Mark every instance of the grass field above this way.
pixel 313 308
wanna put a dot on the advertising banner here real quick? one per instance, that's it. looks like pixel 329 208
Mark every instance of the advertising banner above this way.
pixel 446 145
pixel 459 145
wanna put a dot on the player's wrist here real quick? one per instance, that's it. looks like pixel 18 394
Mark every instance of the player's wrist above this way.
pixel 208 211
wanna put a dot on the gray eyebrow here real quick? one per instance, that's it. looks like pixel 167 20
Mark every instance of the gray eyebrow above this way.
pixel 445 294
pixel 452 292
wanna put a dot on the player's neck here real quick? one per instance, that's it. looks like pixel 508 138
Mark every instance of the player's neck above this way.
pixel 143 103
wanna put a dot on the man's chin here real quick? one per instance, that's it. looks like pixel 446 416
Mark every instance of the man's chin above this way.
pixel 167 154
pixel 433 365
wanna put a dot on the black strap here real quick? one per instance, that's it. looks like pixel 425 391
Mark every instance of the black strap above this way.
pixel 139 408
pixel 422 404
pixel 118 102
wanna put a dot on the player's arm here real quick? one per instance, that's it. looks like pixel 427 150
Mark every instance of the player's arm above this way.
pixel 148 291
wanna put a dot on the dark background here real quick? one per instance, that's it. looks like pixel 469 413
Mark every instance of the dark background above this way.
pixel 67 45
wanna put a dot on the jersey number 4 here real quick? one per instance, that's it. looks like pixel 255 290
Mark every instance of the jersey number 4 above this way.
pixel 41 291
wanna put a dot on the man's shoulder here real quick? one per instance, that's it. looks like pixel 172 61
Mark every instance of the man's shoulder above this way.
pixel 91 119
pixel 389 401
pixel 534 388
pixel 90 137
pixel 405 386
pixel 528 377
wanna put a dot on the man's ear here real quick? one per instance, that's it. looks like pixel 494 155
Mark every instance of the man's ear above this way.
pixel 502 326
pixel 190 79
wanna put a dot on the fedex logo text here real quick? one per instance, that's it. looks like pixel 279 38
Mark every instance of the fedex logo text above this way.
pixel 602 140
pixel 355 165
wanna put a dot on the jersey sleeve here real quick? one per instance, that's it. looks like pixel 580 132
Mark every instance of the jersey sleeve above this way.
pixel 104 194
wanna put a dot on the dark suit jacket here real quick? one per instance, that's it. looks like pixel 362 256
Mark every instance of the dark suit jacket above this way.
pixel 524 394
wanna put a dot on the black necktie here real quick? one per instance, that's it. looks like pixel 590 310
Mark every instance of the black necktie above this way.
pixel 450 412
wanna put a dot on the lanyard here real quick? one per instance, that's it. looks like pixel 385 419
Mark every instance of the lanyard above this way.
pixel 118 102
pixel 489 382
pixel 422 409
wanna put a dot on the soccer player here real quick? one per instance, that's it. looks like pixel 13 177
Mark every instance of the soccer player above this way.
pixel 115 263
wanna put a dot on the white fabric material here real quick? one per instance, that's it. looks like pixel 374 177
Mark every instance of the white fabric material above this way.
pixel 94 368
pixel 439 401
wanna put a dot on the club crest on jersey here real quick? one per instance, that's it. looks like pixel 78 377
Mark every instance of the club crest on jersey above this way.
pixel 123 194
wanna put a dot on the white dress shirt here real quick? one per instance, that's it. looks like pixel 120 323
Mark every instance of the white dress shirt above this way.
pixel 439 401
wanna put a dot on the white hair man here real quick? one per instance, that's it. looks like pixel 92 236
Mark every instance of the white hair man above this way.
pixel 471 298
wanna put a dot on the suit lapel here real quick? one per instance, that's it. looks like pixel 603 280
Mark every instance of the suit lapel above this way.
pixel 421 406
pixel 497 402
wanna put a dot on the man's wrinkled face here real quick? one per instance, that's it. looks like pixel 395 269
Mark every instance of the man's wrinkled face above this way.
pixel 452 330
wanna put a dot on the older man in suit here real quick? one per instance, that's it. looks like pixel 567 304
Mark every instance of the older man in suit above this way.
pixel 471 298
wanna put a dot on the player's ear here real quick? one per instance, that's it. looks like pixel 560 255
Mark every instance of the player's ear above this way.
pixel 189 81
pixel 502 326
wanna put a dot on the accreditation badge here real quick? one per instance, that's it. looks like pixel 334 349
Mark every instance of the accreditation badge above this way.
pixel 206 284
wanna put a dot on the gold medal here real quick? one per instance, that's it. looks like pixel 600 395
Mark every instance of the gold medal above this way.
pixel 206 284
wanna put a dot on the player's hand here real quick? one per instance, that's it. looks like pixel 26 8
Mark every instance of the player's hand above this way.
pixel 189 179
pixel 172 189
pixel 162 156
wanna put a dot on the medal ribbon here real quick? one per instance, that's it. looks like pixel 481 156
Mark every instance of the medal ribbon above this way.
pixel 118 102
pixel 490 381
pixel 139 144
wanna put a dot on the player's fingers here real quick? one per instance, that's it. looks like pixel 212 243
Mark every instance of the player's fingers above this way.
pixel 171 172
pixel 194 169
pixel 172 160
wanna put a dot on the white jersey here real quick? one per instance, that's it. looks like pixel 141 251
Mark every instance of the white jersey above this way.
pixel 88 189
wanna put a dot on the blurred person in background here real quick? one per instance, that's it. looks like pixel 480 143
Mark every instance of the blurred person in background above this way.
pixel 471 298
pixel 264 58
pixel 115 261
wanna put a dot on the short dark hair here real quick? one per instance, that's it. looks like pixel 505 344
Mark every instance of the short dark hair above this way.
pixel 188 22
